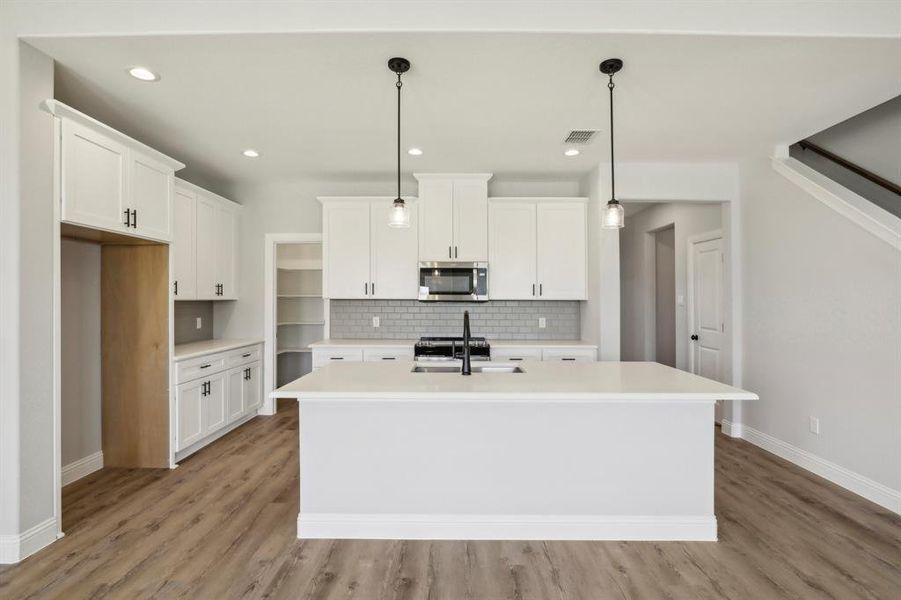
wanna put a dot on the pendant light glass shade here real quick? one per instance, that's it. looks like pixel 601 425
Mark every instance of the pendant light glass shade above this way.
pixel 614 216
pixel 399 216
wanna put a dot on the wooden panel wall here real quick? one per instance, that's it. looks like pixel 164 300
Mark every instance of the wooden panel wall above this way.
pixel 135 341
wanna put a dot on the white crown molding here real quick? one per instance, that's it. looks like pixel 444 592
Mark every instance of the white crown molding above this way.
pixel 476 176
pixel 853 207
pixel 58 109
pixel 873 491
pixel 505 527
pixel 82 468
pixel 14 548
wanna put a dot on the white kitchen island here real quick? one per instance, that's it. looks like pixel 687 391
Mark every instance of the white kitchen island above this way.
pixel 574 451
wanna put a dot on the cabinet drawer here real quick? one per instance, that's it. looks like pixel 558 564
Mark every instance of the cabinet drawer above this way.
pixel 387 354
pixel 515 354
pixel 569 354
pixel 326 355
pixel 201 366
pixel 245 355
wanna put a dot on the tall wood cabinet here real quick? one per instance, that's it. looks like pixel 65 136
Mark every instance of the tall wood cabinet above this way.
pixel 109 181
pixel 453 217
pixel 538 249
pixel 204 245
pixel 362 256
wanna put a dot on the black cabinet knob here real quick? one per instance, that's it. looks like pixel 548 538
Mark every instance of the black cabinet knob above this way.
pixel 694 337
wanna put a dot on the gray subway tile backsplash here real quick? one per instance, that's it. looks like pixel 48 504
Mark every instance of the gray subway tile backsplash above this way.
pixel 496 319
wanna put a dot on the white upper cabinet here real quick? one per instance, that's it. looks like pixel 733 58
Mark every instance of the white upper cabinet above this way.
pixel 205 245
pixel 346 255
pixel 453 217
pixel 537 249
pixel 562 250
pixel 109 181
pixel 394 269
pixel 184 248
pixel 436 220
pixel 511 251
pixel 362 256
pixel 93 178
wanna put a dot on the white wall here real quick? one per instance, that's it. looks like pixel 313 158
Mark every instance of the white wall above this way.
pixel 26 288
pixel 637 254
pixel 665 296
pixel 80 350
pixel 822 328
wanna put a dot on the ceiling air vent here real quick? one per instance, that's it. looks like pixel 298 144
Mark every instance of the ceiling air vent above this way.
pixel 580 136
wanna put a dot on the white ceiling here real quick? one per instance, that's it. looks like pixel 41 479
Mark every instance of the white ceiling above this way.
pixel 323 104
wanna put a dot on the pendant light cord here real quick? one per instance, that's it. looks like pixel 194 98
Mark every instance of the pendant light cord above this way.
pixel 610 86
pixel 399 85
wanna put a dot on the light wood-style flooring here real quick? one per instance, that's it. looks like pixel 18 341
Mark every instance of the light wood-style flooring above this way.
pixel 222 526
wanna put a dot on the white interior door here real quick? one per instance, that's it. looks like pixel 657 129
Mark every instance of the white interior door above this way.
pixel 347 247
pixel 470 220
pixel 511 251
pixel 562 239
pixel 707 323
pixel 395 270
pixel 436 219
pixel 183 247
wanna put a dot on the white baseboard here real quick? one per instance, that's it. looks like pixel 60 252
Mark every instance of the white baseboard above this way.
pixel 731 429
pixel 873 491
pixel 81 468
pixel 505 527
pixel 14 548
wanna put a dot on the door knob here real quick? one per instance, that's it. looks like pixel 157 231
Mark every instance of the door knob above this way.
pixel 694 337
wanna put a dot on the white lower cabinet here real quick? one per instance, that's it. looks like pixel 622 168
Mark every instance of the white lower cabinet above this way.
pixel 215 391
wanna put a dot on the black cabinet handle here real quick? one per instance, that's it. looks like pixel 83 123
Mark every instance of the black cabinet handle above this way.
pixel 514 358
pixel 373 288
pixel 365 288
pixel 541 289
pixel 176 287
pixel 336 358
pixel 389 357
pixel 206 366
pixel 128 217
pixel 533 289
pixel 449 255
pixel 456 254
pixel 694 337
pixel 245 355
pixel 134 218
pixel 567 358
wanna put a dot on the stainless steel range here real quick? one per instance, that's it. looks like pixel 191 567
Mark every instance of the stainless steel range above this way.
pixel 450 348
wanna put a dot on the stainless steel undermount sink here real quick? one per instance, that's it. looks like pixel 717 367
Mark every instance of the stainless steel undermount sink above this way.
pixel 475 369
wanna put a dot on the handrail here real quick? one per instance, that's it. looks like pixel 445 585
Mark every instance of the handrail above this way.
pixel 881 182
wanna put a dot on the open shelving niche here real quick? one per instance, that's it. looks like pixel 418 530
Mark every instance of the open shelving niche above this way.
pixel 300 310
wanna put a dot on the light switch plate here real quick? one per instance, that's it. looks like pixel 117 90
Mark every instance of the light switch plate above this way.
pixel 376 322
pixel 814 425
pixel 542 322
pixel 199 323
pixel 680 300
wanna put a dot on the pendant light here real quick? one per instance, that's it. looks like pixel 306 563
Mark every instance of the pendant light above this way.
pixel 614 215
pixel 400 215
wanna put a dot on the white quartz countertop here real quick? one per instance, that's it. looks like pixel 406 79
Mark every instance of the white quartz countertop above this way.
pixel 557 381
pixel 195 349
pixel 370 343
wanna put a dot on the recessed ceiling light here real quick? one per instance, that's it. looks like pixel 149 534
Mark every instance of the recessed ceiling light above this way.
pixel 251 153
pixel 571 152
pixel 414 152
pixel 143 73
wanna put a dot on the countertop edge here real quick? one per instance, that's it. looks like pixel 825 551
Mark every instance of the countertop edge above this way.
pixel 224 346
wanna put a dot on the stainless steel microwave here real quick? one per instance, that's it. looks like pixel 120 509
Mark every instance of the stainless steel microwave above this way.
pixel 453 281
